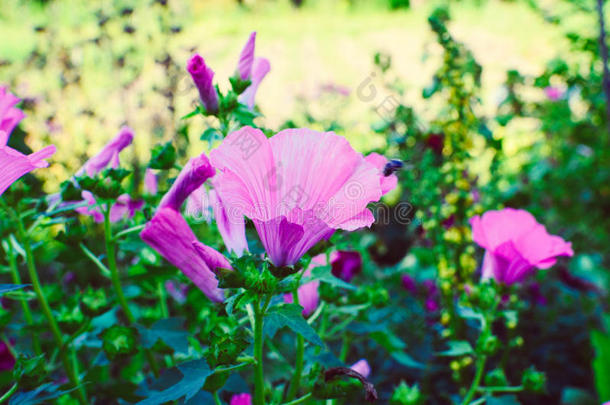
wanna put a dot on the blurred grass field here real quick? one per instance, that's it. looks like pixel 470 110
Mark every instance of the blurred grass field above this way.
pixel 82 94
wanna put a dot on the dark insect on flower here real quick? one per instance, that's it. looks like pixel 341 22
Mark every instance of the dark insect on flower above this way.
pixel 128 29
pixel 126 11
pixel 176 29
pixel 392 166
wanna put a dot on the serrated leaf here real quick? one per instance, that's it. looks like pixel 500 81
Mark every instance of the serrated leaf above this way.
pixel 290 315
pixel 457 348
pixel 324 274
pixel 170 330
pixel 194 374
pixel 4 288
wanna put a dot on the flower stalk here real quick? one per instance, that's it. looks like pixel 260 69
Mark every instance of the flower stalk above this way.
pixel 81 394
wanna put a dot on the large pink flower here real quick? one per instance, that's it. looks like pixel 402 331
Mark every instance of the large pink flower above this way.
pixel 170 235
pixel 516 244
pixel 297 187
pixel 15 164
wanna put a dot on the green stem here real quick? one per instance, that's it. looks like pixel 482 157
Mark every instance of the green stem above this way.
pixel 477 379
pixel 12 259
pixel 163 299
pixel 298 400
pixel 46 309
pixel 216 398
pixel 128 231
pixel 298 364
pixel 518 388
pixel 259 377
pixel 8 393
pixel 116 282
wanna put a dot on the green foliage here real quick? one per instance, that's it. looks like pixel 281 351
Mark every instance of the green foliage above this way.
pixel 290 315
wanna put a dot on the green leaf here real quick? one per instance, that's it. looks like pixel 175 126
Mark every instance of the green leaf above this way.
pixel 4 288
pixel 168 330
pixel 503 400
pixel 194 374
pixel 457 348
pixel 41 395
pixel 324 274
pixel 290 315
pixel 601 364
pixel 406 360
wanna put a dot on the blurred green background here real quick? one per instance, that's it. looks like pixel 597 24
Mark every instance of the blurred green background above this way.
pixel 86 68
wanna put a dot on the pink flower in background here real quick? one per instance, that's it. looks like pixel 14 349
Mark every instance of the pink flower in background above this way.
pixel 7 360
pixel 170 235
pixel 362 367
pixel 553 93
pixel 123 207
pixel 246 58
pixel 409 284
pixel 150 182
pixel 193 175
pixel 388 183
pixel 176 290
pixel 10 115
pixel 260 68
pixel 241 399
pixel 15 164
pixel 297 187
pixel 198 205
pixel 345 264
pixel 203 77
pixel 308 292
pixel 515 244
pixel 109 155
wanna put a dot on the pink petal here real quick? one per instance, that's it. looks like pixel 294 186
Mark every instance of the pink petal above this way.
pixel 260 69
pixel 15 164
pixel 150 182
pixel 109 155
pixel 170 235
pixel 9 121
pixel 308 295
pixel 362 367
pixel 231 225
pixel 246 58
pixel 192 176
pixel 203 77
pixel 388 183
pixel 241 399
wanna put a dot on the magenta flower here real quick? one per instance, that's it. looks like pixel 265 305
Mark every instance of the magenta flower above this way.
pixel 193 175
pixel 15 164
pixel 297 187
pixel 309 298
pixel 260 68
pixel 388 183
pixel 515 245
pixel 246 58
pixel 553 93
pixel 10 116
pixel 123 207
pixel 7 360
pixel 362 367
pixel 109 155
pixel 170 235
pixel 203 76
pixel 241 399
pixel 150 182
pixel 345 264
pixel 409 284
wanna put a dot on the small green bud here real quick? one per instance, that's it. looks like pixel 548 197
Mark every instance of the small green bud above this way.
pixel 119 341
pixel 405 395
pixel 496 378
pixel 533 380
pixel 163 156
